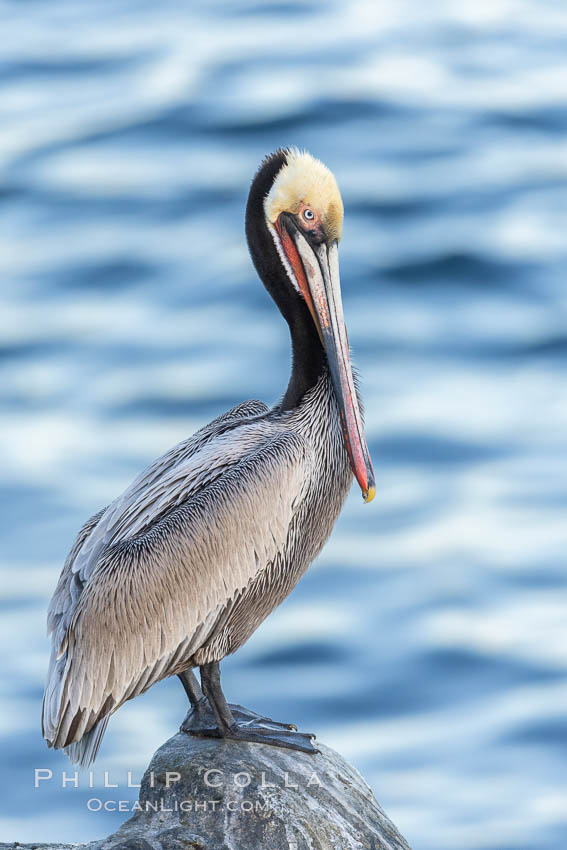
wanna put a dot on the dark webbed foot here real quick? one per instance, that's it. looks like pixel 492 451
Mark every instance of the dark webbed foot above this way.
pixel 212 717
pixel 257 734
pixel 245 716
pixel 201 716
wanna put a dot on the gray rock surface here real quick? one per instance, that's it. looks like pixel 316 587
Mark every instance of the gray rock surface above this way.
pixel 200 794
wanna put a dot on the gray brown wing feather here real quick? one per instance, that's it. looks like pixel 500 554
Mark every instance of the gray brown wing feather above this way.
pixel 65 597
pixel 73 580
pixel 152 600
pixel 169 481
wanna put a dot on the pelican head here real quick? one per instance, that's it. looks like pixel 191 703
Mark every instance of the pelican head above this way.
pixel 306 189
pixel 302 212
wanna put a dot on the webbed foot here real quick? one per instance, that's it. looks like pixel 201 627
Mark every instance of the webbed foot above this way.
pixel 257 734
pixel 245 716
pixel 201 716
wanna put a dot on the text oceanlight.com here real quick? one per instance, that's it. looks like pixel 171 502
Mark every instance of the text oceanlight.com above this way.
pixel 95 804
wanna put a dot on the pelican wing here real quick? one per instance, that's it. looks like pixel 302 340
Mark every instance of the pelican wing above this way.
pixel 153 597
pixel 129 513
pixel 167 479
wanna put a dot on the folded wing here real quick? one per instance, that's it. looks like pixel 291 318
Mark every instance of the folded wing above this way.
pixel 150 596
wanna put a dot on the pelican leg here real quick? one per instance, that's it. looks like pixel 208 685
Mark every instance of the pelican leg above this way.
pixel 191 686
pixel 200 714
pixel 256 729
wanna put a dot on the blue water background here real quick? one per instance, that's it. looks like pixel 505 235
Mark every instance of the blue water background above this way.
pixel 428 642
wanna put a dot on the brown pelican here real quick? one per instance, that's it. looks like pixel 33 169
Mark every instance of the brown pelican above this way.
pixel 183 567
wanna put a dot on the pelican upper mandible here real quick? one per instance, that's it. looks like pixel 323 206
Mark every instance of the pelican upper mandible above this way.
pixel 182 568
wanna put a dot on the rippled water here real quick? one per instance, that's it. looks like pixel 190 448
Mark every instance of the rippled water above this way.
pixel 428 643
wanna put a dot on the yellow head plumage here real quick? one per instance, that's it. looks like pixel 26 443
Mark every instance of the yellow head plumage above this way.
pixel 305 181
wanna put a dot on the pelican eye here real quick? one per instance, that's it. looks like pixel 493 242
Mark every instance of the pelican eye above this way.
pixel 308 214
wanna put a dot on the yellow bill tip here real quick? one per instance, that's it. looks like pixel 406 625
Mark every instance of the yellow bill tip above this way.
pixel 369 494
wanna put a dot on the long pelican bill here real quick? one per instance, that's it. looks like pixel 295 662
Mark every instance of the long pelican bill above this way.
pixel 316 269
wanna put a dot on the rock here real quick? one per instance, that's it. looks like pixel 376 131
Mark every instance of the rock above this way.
pixel 205 794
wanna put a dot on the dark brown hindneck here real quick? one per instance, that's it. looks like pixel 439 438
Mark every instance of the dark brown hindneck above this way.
pixel 308 357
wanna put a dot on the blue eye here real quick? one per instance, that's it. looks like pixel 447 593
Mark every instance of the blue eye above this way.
pixel 308 214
